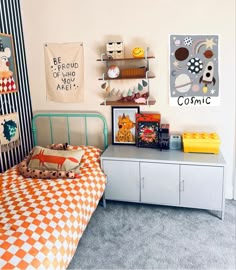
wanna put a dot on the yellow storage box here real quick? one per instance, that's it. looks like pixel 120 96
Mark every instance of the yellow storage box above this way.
pixel 201 142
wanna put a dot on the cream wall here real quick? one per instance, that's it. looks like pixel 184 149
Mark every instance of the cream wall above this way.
pixel 137 23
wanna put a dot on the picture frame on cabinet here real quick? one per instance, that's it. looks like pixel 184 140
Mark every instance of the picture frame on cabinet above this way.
pixel 148 134
pixel 8 75
pixel 123 125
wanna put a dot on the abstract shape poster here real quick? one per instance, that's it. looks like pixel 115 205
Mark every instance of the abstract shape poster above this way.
pixel 194 70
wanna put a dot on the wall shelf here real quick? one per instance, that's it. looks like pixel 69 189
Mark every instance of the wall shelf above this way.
pixel 149 76
pixel 131 68
pixel 121 59
pixel 127 103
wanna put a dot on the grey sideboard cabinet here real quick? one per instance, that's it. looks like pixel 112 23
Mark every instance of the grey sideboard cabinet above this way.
pixel 173 178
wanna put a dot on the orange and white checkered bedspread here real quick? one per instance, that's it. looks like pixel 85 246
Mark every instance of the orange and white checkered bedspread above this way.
pixel 41 221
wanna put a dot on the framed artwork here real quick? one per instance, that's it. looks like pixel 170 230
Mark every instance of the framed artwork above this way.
pixel 148 134
pixel 8 76
pixel 9 132
pixel 123 125
pixel 194 70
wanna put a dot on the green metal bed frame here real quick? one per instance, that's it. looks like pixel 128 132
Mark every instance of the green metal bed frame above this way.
pixel 85 116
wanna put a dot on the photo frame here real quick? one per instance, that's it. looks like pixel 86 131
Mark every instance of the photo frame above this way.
pixel 123 125
pixel 8 75
pixel 148 130
pixel 148 134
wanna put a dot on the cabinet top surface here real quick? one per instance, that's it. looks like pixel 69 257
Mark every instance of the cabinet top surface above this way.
pixel 133 153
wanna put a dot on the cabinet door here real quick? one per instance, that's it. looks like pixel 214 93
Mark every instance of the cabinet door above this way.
pixel 202 187
pixel 123 180
pixel 160 183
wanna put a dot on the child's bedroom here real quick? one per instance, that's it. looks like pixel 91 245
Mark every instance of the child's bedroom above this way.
pixel 117 134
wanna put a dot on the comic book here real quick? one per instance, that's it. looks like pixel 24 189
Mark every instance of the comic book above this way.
pixel 151 117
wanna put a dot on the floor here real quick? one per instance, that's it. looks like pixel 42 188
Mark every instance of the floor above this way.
pixel 138 236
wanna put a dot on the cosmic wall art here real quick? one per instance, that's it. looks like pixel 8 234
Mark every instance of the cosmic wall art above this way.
pixel 194 74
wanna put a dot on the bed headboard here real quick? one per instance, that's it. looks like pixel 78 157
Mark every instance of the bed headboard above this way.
pixel 85 117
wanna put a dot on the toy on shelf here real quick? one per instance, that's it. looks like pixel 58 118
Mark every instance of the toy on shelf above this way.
pixel 138 52
pixel 201 142
pixel 113 71
pixel 115 50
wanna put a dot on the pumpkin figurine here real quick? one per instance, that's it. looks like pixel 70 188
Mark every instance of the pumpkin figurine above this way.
pixel 138 52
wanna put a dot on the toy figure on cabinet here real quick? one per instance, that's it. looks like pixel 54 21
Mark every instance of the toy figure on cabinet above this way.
pixel 164 138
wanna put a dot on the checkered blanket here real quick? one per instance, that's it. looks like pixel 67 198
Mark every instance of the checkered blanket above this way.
pixel 42 221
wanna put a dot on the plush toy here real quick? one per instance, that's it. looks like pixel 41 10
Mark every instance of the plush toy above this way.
pixel 124 133
pixel 138 52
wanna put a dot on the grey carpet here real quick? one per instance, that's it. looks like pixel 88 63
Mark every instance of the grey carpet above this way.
pixel 138 236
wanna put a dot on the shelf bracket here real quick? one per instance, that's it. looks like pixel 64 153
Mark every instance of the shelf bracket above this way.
pixel 146 53
pixel 147 102
pixel 105 101
pixel 102 55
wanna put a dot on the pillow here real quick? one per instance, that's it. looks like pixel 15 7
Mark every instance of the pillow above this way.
pixel 91 156
pixel 43 174
pixel 55 160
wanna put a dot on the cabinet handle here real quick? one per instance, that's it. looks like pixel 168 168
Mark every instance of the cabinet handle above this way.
pixel 142 180
pixel 182 185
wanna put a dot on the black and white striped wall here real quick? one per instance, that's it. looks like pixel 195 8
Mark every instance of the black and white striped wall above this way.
pixel 11 23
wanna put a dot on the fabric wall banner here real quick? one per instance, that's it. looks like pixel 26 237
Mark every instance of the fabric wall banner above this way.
pixel 64 64
pixel 9 132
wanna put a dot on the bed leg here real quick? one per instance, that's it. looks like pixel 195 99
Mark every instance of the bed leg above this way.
pixel 104 201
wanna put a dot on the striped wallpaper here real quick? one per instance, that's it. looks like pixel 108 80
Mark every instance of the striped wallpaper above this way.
pixel 10 23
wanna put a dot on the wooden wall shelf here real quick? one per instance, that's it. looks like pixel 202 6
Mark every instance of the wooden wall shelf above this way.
pixel 151 76
pixel 137 68
pixel 128 58
pixel 120 103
